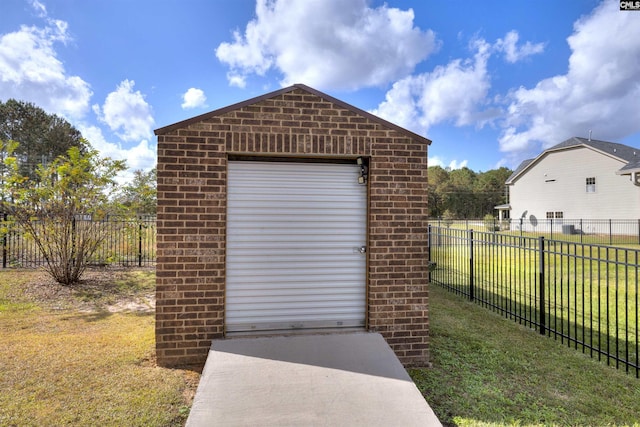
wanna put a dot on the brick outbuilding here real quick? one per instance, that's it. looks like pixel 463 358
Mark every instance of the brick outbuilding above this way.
pixel 286 213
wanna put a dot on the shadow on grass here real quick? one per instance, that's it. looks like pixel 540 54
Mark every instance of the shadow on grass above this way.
pixel 598 342
pixel 98 315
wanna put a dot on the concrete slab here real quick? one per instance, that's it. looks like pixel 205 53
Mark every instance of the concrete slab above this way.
pixel 351 379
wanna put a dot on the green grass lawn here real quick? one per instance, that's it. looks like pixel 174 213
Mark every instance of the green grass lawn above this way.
pixel 625 236
pixel 490 371
pixel 66 360
pixel 591 292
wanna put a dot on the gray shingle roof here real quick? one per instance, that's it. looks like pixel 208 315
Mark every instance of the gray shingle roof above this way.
pixel 623 152
pixel 629 167
pixel 519 169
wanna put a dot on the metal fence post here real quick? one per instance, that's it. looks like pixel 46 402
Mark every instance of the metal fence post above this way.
pixel 471 274
pixel 140 241
pixel 429 253
pixel 4 244
pixel 541 287
pixel 610 233
pixel 73 239
pixel 521 223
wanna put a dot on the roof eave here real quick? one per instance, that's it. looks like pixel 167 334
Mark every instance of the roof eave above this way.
pixel 580 144
pixel 628 171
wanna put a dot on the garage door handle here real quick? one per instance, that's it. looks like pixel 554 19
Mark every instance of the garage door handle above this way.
pixel 362 249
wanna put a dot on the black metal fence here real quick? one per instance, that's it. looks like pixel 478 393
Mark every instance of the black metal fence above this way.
pixel 597 231
pixel 129 242
pixel 584 295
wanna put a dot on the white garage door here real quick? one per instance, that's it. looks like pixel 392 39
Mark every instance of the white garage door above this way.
pixel 295 246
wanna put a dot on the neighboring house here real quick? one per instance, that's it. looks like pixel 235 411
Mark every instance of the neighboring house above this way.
pixel 286 213
pixel 577 179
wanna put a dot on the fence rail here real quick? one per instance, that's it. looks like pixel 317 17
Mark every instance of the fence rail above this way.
pixel 596 231
pixel 584 295
pixel 129 242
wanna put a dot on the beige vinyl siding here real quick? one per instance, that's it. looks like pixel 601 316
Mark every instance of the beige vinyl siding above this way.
pixel 557 183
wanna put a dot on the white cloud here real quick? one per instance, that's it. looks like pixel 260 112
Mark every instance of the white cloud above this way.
pixel 31 71
pixel 327 44
pixel 236 79
pixel 452 165
pixel 514 53
pixel 454 92
pixel 142 156
pixel 600 90
pixel 193 98
pixel 127 113
pixel 40 8
pixel 401 104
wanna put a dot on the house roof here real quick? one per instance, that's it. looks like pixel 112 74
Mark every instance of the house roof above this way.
pixel 626 154
pixel 621 151
pixel 220 111
pixel 504 207
pixel 522 166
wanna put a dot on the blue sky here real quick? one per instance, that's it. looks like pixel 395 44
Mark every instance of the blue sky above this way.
pixel 490 82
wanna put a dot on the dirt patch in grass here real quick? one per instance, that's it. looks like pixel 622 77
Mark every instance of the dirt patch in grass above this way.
pixel 101 289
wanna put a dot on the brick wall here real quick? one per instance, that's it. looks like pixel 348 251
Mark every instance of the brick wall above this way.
pixel 192 163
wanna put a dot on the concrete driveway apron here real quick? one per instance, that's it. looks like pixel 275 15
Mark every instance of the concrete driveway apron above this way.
pixel 346 379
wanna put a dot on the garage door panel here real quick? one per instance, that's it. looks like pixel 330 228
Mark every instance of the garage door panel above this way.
pixel 264 286
pixel 293 236
pixel 317 270
pixel 268 285
pixel 287 293
pixel 297 307
pixel 259 260
pixel 340 237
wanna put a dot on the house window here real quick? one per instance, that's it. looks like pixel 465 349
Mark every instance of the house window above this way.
pixel 549 215
pixel 559 215
pixel 591 184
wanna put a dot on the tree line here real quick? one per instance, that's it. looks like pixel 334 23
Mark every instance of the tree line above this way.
pixel 465 194
pixel 51 177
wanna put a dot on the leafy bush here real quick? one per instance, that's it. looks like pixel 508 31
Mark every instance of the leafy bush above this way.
pixel 53 208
